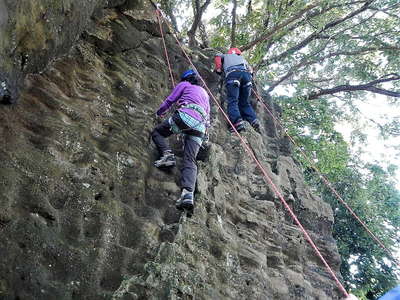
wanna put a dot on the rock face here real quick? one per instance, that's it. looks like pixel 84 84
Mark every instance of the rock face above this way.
pixel 34 31
pixel 85 215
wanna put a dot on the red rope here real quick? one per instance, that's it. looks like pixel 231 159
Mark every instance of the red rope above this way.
pixel 158 13
pixel 327 183
pixel 268 180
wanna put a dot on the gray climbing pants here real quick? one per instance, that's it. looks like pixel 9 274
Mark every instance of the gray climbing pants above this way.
pixel 191 148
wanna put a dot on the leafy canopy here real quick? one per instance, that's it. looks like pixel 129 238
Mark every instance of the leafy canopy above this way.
pixel 317 59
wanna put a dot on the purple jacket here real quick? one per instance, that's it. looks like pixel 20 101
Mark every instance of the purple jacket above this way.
pixel 186 93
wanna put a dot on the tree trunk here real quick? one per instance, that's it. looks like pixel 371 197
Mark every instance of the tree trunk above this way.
pixel 167 6
pixel 198 11
pixel 370 86
pixel 203 35
pixel 233 27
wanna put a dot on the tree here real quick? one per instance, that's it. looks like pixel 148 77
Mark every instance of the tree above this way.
pixel 168 8
pixel 296 44
pixel 365 264
pixel 233 26
pixel 367 188
pixel 198 10
pixel 328 54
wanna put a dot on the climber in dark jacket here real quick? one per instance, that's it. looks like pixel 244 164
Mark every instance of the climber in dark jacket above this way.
pixel 238 79
pixel 191 119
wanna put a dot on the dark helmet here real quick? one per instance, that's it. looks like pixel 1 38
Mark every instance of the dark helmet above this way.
pixel 188 73
pixel 190 76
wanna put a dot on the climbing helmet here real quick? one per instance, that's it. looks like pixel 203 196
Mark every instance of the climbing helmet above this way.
pixel 235 51
pixel 188 73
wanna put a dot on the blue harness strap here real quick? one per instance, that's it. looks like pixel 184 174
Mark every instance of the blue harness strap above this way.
pixel 197 108
pixel 240 68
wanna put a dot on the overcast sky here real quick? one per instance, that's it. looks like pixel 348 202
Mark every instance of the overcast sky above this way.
pixel 376 148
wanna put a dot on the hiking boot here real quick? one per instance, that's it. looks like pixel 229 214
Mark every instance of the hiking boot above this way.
pixel 167 160
pixel 5 95
pixel 256 125
pixel 239 127
pixel 185 201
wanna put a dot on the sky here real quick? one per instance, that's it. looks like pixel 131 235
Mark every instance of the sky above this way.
pixel 376 149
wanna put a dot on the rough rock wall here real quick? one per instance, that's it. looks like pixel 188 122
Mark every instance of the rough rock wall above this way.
pixel 85 215
pixel 34 31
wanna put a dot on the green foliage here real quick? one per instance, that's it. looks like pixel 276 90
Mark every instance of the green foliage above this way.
pixel 373 196
pixel 312 123
pixel 304 50
pixel 367 188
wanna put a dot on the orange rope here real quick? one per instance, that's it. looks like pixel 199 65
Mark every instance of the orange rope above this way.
pixel 158 13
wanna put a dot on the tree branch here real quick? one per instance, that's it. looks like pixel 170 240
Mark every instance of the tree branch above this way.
pixel 304 62
pixel 385 10
pixel 198 11
pixel 249 7
pixel 167 7
pixel 314 35
pixel 317 80
pixel 276 28
pixel 370 86
pixel 203 35
pixel 293 69
pixel 233 27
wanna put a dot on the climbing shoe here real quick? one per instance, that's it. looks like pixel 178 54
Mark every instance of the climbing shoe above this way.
pixel 256 125
pixel 5 95
pixel 239 127
pixel 185 202
pixel 167 160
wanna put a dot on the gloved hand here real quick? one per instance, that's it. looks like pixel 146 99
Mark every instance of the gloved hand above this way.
pixel 159 118
pixel 160 114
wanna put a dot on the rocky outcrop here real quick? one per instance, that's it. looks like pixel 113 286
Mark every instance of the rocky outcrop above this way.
pixel 34 32
pixel 85 215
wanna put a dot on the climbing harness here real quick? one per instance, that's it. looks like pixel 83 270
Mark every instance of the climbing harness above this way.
pixel 234 82
pixel 326 181
pixel 267 178
pixel 183 127
pixel 237 68
pixel 196 108
pixel 237 83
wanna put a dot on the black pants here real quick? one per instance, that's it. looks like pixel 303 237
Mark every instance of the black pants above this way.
pixel 191 148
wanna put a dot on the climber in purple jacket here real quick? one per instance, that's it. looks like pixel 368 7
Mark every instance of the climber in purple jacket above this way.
pixel 192 120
